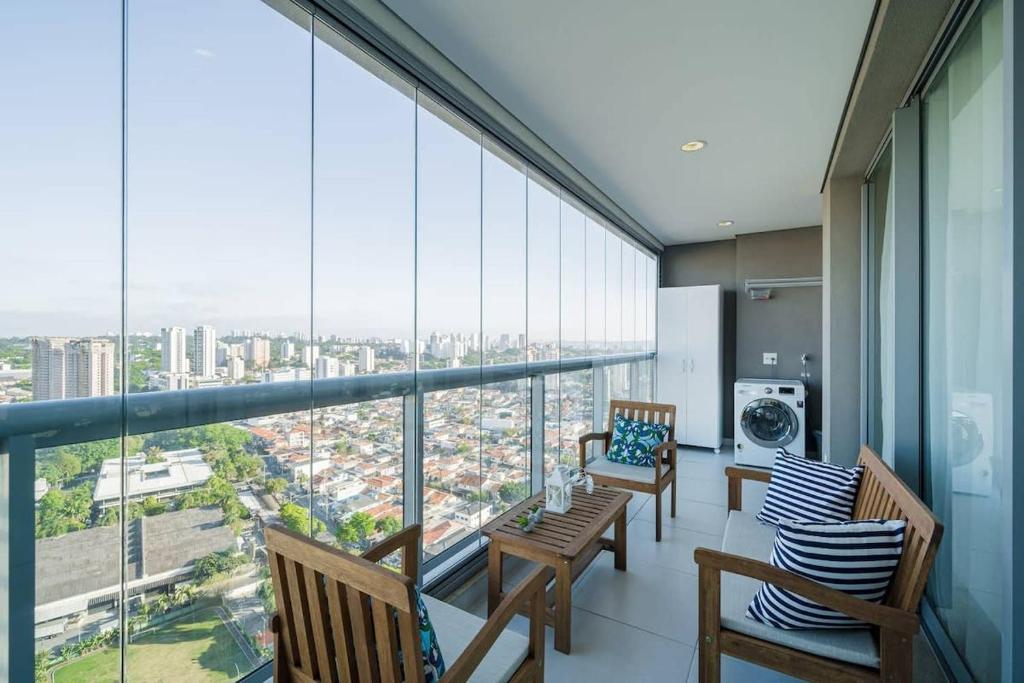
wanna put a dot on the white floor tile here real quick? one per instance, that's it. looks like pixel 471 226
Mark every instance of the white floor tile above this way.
pixel 654 599
pixel 675 551
pixel 607 650
pixel 738 671
pixel 690 514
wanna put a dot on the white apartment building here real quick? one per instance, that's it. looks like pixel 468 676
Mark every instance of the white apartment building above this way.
pixel 257 351
pixel 310 354
pixel 287 349
pixel 326 366
pixel 173 357
pixel 204 351
pixel 71 368
pixel 236 368
pixel 366 359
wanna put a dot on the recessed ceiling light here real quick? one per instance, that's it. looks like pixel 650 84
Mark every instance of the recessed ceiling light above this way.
pixel 694 145
pixel 725 224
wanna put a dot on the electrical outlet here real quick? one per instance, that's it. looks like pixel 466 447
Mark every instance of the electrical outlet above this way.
pixel 770 358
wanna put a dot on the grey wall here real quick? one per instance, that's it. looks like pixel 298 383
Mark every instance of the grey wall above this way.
pixel 789 324
pixel 841 309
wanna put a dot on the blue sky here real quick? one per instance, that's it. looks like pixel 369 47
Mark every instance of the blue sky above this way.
pixel 250 165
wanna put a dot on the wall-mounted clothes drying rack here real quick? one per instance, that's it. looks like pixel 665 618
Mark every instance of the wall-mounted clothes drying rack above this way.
pixel 761 288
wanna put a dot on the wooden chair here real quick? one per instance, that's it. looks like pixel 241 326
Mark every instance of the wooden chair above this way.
pixel 343 618
pixel 894 622
pixel 652 480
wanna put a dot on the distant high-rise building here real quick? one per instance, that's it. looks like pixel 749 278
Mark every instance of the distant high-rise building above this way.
pixel 366 359
pixel 49 367
pixel 287 349
pixel 347 369
pixel 71 368
pixel 236 368
pixel 204 351
pixel 172 350
pixel 174 381
pixel 326 366
pixel 257 351
pixel 309 354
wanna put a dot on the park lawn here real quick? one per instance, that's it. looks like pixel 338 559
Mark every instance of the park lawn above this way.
pixel 194 648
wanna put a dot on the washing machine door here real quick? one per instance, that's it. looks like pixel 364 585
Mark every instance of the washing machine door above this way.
pixel 769 422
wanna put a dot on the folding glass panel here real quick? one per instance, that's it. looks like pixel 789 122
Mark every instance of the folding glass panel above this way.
pixel 543 282
pixel 448 321
pixel 60 315
pixel 505 427
pixel 363 283
pixel 217 134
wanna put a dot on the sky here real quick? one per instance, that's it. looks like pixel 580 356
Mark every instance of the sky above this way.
pixel 270 183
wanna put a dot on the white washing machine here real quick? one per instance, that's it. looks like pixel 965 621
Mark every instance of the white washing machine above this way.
pixel 769 416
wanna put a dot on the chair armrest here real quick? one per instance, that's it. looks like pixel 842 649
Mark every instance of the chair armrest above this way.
pixel 530 592
pixel 735 477
pixel 877 614
pixel 593 436
pixel 408 541
pixel 666 452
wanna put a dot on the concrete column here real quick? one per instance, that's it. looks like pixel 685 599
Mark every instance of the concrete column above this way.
pixel 841 242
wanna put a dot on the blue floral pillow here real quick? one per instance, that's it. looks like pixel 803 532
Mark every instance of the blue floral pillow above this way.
pixel 634 441
pixel 433 662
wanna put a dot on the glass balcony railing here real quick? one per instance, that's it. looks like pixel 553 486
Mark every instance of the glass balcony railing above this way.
pixel 146 510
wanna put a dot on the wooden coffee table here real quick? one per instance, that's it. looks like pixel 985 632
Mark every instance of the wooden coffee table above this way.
pixel 567 543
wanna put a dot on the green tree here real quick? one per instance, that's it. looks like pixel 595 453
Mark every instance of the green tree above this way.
pixel 296 518
pixel 354 533
pixel 513 491
pixel 151 506
pixel 276 485
pixel 60 512
pixel 389 526
pixel 155 454
pixel 214 564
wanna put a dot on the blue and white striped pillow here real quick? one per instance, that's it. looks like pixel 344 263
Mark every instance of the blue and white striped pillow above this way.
pixel 857 557
pixel 809 491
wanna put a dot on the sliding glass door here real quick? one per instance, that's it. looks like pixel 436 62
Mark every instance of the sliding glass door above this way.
pixel 966 385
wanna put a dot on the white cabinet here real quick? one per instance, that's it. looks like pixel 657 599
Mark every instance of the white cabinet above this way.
pixel 690 361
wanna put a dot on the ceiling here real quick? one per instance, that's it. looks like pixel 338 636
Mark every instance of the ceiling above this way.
pixel 616 87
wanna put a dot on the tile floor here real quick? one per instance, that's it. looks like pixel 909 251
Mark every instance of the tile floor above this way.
pixel 641 625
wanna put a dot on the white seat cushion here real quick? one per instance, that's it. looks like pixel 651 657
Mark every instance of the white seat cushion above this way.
pixel 455 629
pixel 607 468
pixel 746 536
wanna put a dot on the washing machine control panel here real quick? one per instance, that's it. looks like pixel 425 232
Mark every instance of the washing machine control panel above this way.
pixel 787 390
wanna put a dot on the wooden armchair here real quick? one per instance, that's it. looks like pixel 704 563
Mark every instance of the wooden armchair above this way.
pixel 344 618
pixel 652 480
pixel 729 578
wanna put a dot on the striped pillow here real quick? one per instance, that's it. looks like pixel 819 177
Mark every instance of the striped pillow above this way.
pixel 857 557
pixel 809 491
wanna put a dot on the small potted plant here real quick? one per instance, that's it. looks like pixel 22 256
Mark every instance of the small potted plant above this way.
pixel 525 523
pixel 537 514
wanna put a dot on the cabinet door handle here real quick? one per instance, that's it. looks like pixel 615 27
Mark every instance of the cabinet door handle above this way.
pixel 691 365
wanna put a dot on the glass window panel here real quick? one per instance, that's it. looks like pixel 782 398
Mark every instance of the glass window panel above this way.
pixel 595 287
pixel 965 332
pixel 448 322
pixel 505 428
pixel 60 217
pixel 628 298
pixel 576 388
pixel 363 207
pixel 543 282
pixel 218 276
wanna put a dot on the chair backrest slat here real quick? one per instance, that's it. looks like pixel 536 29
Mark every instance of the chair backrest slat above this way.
pixel 654 413
pixel 319 615
pixel 387 643
pixel 883 495
pixel 340 616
